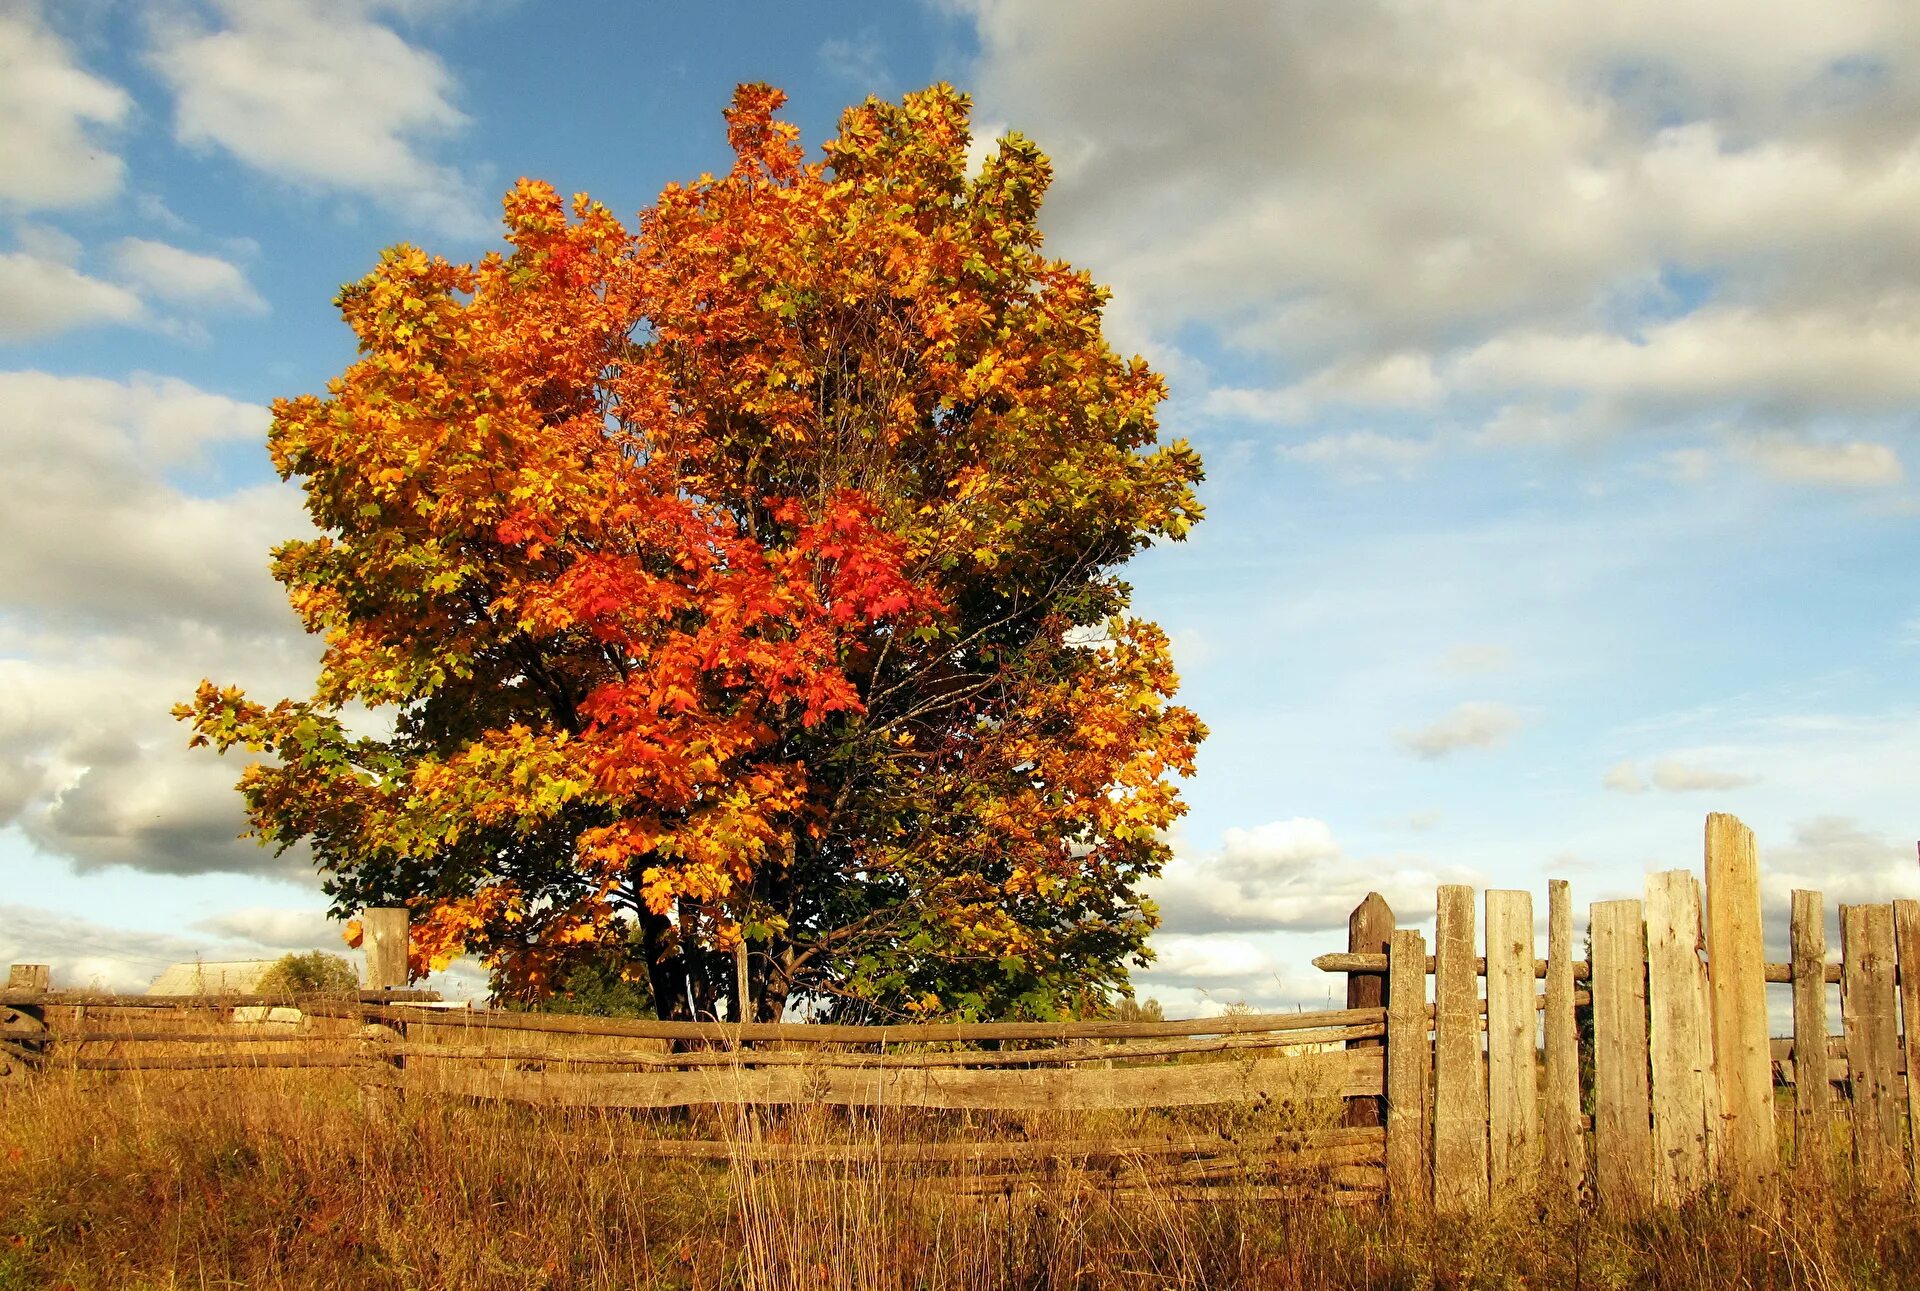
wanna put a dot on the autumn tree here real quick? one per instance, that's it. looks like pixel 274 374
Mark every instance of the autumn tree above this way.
pixel 746 579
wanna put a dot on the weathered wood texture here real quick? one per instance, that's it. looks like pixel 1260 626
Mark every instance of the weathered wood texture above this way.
pixel 1353 1144
pixel 1563 1146
pixel 910 1033
pixel 30 978
pixel 1679 1039
pixel 1622 1128
pixel 1293 1080
pixel 1513 1080
pixel 1812 1096
pixel 384 941
pixel 1460 1074
pixel 1409 1075
pixel 1368 928
pixel 212 1003
pixel 1736 965
pixel 1906 937
pixel 1345 963
pixel 1867 1004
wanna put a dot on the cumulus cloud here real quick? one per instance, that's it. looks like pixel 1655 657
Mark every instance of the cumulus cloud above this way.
pixel 1363 456
pixel 1671 775
pixel 119 591
pixel 1837 856
pixel 186 277
pixel 1545 222
pixel 83 953
pixel 1624 777
pixel 321 95
pixel 55 120
pixel 1472 725
pixel 1287 875
pixel 42 296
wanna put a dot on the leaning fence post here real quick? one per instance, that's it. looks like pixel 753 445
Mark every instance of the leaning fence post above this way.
pixel 1409 1074
pixel 1368 929
pixel 1737 978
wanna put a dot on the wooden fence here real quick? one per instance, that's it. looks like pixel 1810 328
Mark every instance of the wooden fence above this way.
pixel 1635 1077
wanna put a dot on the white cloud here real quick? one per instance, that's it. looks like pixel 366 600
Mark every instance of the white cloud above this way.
pixel 1288 875
pixel 1477 659
pixel 1472 725
pixel 42 296
pixel 1854 464
pixel 277 928
pixel 1837 856
pixel 1675 776
pixel 859 60
pixel 186 277
pixel 1624 777
pixel 1363 456
pixel 320 95
pixel 52 153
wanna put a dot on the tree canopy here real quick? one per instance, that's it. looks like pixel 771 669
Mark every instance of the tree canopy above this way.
pixel 743 579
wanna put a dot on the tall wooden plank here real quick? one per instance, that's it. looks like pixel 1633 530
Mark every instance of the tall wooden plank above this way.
pixel 1906 937
pixel 1867 1006
pixel 1409 1074
pixel 1737 969
pixel 384 941
pixel 1678 1039
pixel 29 977
pixel 1622 1126
pixel 1459 1074
pixel 1368 929
pixel 1513 1081
pixel 1563 1161
pixel 1812 1094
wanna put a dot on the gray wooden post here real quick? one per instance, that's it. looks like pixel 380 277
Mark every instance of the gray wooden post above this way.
pixel 384 939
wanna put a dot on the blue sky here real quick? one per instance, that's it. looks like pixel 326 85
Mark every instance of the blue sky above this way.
pixel 1557 373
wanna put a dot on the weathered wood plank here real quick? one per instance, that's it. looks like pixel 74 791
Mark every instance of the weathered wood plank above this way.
pixel 33 979
pixel 1367 1141
pixel 1563 1157
pixel 1409 1075
pixel 1622 1125
pixel 207 1061
pixel 1296 1079
pixel 1736 967
pixel 312 1003
pixel 1867 1005
pixel 1460 1074
pixel 384 941
pixel 1906 936
pixel 1368 928
pixel 1812 1096
pixel 1340 962
pixel 1679 1039
pixel 911 1033
pixel 1049 1057
pixel 1513 1081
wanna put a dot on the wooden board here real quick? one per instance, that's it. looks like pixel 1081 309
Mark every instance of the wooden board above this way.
pixel 833 1033
pixel 1460 1074
pixel 1409 1075
pixel 1513 1081
pixel 1563 1146
pixel 1736 966
pixel 1622 1124
pixel 1366 1144
pixel 1812 1095
pixel 1679 1040
pixel 1295 1080
pixel 1867 1005
pixel 1906 937
pixel 384 939
pixel 1368 928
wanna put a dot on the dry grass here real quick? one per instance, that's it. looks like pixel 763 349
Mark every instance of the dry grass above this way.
pixel 285 1179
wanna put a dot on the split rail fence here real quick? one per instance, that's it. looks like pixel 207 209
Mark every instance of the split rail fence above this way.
pixel 1636 1077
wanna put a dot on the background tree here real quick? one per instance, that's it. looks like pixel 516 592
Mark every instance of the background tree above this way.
pixel 744 579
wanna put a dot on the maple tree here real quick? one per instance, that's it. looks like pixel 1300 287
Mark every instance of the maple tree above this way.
pixel 743 579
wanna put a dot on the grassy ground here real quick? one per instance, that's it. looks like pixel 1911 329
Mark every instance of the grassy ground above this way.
pixel 266 1179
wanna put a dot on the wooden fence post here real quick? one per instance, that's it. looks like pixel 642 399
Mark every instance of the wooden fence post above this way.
pixel 1513 1081
pixel 384 936
pixel 1906 935
pixel 1564 1159
pixel 1867 1007
pixel 29 977
pixel 1409 1074
pixel 1737 974
pixel 1622 1134
pixel 1812 1091
pixel 1680 1043
pixel 1369 928
pixel 1460 1071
